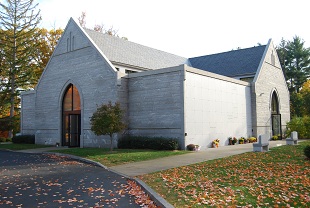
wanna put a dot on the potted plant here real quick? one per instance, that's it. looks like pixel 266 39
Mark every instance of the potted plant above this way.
pixel 193 147
pixel 215 143
pixel 190 147
pixel 234 141
pixel 252 139
pixel 241 140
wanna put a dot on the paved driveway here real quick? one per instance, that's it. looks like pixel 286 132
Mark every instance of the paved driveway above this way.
pixel 46 180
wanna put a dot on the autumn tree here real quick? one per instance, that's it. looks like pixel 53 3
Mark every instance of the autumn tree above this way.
pixel 82 19
pixel 107 120
pixel 46 44
pixel 305 94
pixel 18 23
pixel 99 27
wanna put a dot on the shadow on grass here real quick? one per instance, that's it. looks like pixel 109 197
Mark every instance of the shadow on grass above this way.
pixel 118 156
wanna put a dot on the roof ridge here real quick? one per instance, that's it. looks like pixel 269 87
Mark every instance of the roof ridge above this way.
pixel 119 38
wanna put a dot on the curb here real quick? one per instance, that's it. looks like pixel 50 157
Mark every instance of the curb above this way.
pixel 159 201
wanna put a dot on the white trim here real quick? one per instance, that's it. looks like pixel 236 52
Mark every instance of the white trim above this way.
pixel 93 43
pixel 262 61
pixel 215 76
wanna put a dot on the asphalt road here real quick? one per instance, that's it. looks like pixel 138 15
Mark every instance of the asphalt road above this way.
pixel 46 180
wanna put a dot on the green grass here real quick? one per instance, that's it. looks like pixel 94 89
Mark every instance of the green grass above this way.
pixel 13 146
pixel 118 156
pixel 278 178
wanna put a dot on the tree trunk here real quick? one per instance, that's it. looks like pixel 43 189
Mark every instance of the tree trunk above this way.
pixel 111 147
pixel 13 71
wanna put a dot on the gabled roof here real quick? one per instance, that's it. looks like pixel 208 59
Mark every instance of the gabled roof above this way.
pixel 234 63
pixel 124 52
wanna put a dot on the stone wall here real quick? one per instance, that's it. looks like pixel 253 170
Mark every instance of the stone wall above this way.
pixel 269 79
pixel 155 103
pixel 28 113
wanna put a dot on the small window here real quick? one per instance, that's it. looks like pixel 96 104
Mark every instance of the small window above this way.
pixel 68 44
pixel 73 43
pixel 273 61
pixel 274 103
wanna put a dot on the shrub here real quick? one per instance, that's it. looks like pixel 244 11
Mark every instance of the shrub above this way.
pixel 155 143
pixel 299 124
pixel 2 139
pixel 307 151
pixel 107 120
pixel 24 139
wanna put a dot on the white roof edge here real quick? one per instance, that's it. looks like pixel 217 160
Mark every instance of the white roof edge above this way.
pixel 262 60
pixel 94 44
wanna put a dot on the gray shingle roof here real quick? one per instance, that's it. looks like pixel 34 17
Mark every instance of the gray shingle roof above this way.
pixel 232 63
pixel 126 52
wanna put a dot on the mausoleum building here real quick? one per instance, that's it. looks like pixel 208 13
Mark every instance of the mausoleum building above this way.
pixel 239 93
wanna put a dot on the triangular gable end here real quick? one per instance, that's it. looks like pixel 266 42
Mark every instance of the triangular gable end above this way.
pixel 272 59
pixel 74 37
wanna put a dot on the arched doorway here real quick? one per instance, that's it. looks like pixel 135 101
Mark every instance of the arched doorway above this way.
pixel 275 116
pixel 71 117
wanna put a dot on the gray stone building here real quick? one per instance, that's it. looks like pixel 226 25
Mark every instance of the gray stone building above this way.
pixel 239 93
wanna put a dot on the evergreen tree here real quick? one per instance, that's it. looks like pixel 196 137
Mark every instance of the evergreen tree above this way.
pixel 18 34
pixel 295 61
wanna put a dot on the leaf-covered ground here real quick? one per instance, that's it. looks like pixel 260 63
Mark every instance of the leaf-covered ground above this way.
pixel 45 180
pixel 278 178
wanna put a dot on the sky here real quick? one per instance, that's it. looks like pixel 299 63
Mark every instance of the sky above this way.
pixel 188 28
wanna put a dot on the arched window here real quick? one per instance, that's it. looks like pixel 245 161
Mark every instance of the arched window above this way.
pixel 274 104
pixel 72 101
pixel 275 116
pixel 71 111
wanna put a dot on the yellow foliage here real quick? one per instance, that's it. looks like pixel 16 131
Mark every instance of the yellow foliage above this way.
pixel 305 87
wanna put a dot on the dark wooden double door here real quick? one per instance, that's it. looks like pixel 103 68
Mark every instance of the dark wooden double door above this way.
pixel 72 130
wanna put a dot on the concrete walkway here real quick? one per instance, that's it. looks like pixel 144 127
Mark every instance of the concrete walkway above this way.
pixel 149 166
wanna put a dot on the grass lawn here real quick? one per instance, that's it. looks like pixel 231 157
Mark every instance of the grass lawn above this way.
pixel 21 146
pixel 118 156
pixel 278 178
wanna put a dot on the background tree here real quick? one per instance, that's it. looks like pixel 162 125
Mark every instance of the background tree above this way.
pixel 282 54
pixel 107 120
pixel 99 27
pixel 46 43
pixel 305 94
pixel 295 61
pixel 18 23
pixel 82 19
